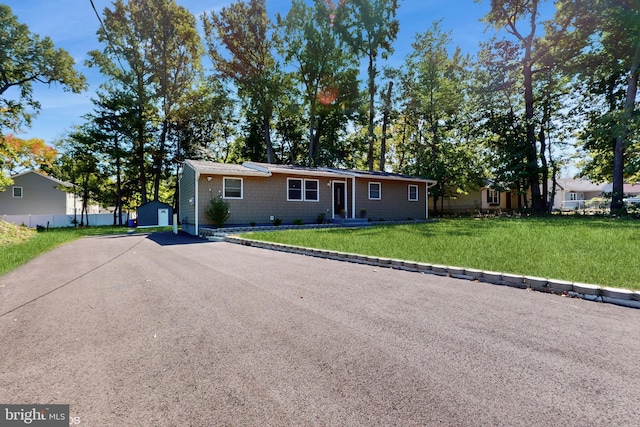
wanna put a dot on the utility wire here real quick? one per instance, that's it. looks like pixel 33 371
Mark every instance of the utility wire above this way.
pixel 107 35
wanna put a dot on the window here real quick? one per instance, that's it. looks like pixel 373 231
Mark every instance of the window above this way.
pixel 295 189
pixel 232 188
pixel 299 189
pixel 493 197
pixel 413 193
pixel 573 196
pixel 374 191
pixel 17 192
pixel 311 190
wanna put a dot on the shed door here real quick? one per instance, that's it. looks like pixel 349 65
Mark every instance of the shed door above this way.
pixel 163 217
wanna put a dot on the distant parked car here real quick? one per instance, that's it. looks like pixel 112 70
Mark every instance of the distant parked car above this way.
pixel 632 200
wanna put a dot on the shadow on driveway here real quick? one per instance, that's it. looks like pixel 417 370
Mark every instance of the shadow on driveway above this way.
pixel 167 238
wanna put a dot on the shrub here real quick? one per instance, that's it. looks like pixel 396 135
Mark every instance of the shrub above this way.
pixel 277 222
pixel 218 211
pixel 321 218
pixel 297 222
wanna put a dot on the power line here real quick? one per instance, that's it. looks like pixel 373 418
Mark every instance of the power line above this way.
pixel 107 35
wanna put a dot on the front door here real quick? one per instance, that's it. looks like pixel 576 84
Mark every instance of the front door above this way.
pixel 339 199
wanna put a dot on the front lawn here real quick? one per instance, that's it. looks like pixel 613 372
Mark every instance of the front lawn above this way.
pixel 597 250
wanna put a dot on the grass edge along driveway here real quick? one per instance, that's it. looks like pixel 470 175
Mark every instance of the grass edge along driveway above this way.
pixel 598 250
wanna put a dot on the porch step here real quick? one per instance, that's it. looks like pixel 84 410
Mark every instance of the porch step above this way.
pixel 351 222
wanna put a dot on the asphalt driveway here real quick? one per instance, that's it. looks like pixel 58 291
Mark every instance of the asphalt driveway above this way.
pixel 166 330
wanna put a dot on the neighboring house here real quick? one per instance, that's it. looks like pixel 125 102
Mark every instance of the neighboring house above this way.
pixel 261 193
pixel 33 193
pixel 483 200
pixel 572 194
pixel 154 213
pixel 628 190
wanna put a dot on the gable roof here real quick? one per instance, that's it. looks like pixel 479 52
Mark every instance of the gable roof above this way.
pixel 630 189
pixel 50 178
pixel 570 184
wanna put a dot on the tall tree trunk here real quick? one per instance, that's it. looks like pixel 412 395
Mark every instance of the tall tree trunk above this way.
pixel 619 149
pixel 158 160
pixel 267 137
pixel 385 123
pixel 118 210
pixel 372 93
pixel 312 133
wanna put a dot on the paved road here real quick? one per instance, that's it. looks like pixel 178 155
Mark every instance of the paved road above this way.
pixel 170 331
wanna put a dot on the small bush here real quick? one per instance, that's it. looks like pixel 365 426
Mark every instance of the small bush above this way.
pixel 297 222
pixel 218 211
pixel 277 222
pixel 320 219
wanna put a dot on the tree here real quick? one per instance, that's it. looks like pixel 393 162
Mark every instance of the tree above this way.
pixel 25 59
pixel 369 28
pixel 534 54
pixel 23 154
pixel 309 41
pixel 242 28
pixel 609 68
pixel 124 38
pixel 435 93
pixel 175 50
pixel 80 166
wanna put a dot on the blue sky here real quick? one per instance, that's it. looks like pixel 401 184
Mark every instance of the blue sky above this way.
pixel 72 25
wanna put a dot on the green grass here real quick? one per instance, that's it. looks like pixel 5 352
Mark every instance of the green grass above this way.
pixel 15 254
pixel 602 251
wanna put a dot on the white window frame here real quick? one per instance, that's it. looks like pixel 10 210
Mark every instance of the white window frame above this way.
pixel 379 191
pixel 289 198
pixel 224 188
pixel 13 192
pixel 493 196
pixel 417 197
pixel 573 196
pixel 303 190
pixel 317 199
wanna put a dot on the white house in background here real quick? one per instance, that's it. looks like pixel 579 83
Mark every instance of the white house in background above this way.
pixel 574 194
pixel 33 193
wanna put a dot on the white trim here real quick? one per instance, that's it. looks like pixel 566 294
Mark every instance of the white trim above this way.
pixel 197 199
pixel 303 190
pixel 224 187
pixel 301 199
pixel 417 198
pixel 333 194
pixel 353 197
pixel 13 192
pixel 379 190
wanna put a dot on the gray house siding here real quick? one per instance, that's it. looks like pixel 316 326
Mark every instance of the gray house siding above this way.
pixel 263 198
pixel 187 206
pixel 265 194
pixel 40 196
pixel 394 203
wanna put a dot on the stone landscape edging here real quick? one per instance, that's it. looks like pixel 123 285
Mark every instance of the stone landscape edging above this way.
pixel 590 292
